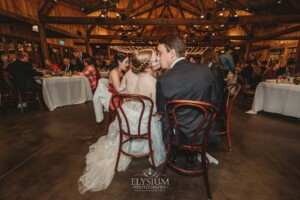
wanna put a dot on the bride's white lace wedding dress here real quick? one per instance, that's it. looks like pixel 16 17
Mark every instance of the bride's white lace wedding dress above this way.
pixel 102 156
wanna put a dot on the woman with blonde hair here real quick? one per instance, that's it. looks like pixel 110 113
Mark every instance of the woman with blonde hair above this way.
pixel 102 156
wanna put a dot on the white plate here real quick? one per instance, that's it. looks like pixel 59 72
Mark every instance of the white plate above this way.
pixel 271 80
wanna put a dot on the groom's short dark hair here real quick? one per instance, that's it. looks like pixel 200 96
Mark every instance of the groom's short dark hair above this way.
pixel 175 42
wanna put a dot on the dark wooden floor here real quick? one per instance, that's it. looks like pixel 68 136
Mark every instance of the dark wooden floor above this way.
pixel 42 157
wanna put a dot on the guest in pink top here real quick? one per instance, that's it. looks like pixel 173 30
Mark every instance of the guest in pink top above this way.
pixel 90 72
pixel 51 66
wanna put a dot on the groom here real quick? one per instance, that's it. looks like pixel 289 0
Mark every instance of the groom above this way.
pixel 183 80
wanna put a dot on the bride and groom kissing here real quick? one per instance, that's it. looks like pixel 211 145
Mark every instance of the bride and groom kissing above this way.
pixel 182 80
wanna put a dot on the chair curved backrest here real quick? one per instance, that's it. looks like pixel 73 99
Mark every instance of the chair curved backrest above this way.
pixel 143 102
pixel 134 127
pixel 207 114
pixel 247 94
pixel 14 93
pixel 231 92
pixel 206 110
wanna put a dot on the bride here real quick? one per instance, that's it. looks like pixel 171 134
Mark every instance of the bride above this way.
pixel 102 156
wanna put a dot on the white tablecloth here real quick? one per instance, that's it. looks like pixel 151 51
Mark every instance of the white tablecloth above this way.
pixel 277 98
pixel 62 91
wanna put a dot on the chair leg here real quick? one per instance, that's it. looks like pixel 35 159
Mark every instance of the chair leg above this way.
pixel 228 135
pixel 119 153
pixel 151 152
pixel 205 175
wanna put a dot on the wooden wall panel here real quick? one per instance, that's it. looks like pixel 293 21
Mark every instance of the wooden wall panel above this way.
pixel 30 8
pixel 33 6
pixel 66 10
pixel 14 31
pixel 10 5
pixel 68 42
pixel 20 7
pixel 3 4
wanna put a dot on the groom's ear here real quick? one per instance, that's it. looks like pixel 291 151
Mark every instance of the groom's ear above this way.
pixel 173 53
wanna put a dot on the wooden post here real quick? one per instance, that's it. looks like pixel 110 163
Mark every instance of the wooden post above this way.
pixel 297 57
pixel 87 46
pixel 285 56
pixel 43 42
pixel 248 47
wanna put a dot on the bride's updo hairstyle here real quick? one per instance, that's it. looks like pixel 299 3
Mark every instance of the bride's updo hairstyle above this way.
pixel 141 60
pixel 118 57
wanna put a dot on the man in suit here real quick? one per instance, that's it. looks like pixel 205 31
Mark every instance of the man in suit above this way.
pixel 79 56
pixel 22 72
pixel 67 66
pixel 23 76
pixel 183 80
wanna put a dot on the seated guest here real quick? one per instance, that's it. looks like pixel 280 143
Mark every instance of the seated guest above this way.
pixel 193 59
pixel 73 62
pixel 270 73
pixel 247 73
pixel 22 72
pixel 256 77
pixel 90 72
pixel 67 66
pixel 79 57
pixel 50 65
pixel 280 69
pixel 116 72
pixel 263 66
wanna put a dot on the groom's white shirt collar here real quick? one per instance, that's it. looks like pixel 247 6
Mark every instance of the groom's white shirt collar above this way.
pixel 176 61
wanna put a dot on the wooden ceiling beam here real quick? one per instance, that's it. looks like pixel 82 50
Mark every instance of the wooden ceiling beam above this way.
pixel 148 10
pixel 182 15
pixel 153 38
pixel 202 7
pixel 71 35
pixel 277 34
pixel 243 26
pixel 185 9
pixel 141 6
pixel 272 19
pixel 200 44
pixel 17 17
pixel 170 11
pixel 149 15
pixel 129 8
pixel 47 7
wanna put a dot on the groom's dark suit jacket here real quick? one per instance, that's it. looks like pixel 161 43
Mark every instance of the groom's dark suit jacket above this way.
pixel 190 81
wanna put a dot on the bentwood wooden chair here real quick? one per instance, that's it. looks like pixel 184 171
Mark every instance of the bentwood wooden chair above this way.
pixel 12 95
pixel 247 94
pixel 207 115
pixel 231 93
pixel 137 129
